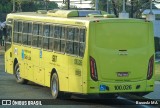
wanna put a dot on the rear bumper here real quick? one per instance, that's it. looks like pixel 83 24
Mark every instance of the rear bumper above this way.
pixel 120 87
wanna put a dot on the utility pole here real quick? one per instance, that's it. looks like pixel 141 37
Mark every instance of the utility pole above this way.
pixel 96 4
pixel 124 7
pixel 46 5
pixel 13 6
pixel 68 5
pixel 132 8
pixel 151 15
pixel 124 14
pixel 151 12
pixel 108 6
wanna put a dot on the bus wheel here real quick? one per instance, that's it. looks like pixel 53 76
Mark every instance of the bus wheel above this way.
pixel 17 75
pixel 108 96
pixel 55 89
pixel 54 86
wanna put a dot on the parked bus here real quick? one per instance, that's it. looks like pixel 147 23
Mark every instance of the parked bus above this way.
pixel 78 51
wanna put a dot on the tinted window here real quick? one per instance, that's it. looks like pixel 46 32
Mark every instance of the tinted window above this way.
pixel 70 33
pixel 37 35
pixel 25 35
pixel 69 47
pixel 17 37
pixel 57 31
pixel 57 45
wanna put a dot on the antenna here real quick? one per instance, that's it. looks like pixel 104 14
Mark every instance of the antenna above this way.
pixel 13 6
pixel 96 4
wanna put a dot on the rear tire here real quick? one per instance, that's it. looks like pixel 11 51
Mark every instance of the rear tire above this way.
pixel 54 86
pixel 55 89
pixel 17 75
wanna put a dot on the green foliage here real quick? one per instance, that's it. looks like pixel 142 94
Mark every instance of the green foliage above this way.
pixel 6 6
pixel 46 5
pixel 28 6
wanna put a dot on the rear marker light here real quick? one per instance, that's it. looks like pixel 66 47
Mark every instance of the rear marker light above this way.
pixel 150 68
pixel 93 69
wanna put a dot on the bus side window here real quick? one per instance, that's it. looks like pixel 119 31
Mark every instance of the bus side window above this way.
pixel 51 38
pixel 19 32
pixel 56 45
pixel 82 42
pixel 15 37
pixel 39 44
pixel 82 35
pixel 63 37
pixel 57 31
pixel 57 35
pixel 8 34
pixel 70 33
pixel 35 35
pixel 29 33
pixel 46 33
pixel 69 47
pixel 76 41
pixel 69 40
pixel 25 31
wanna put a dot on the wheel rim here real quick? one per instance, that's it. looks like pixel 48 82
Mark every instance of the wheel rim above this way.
pixel 54 87
pixel 18 74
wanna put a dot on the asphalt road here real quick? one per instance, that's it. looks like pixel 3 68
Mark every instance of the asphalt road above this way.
pixel 9 89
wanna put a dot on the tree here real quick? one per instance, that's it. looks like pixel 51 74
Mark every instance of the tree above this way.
pixel 133 7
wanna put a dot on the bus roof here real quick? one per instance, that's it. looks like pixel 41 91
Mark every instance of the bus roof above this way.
pixel 50 16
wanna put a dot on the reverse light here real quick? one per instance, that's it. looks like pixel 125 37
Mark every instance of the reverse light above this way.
pixel 150 68
pixel 93 69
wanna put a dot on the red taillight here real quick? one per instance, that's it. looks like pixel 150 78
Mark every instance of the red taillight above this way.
pixel 93 69
pixel 150 68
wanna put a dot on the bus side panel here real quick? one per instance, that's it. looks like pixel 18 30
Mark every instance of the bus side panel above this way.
pixel 46 63
pixel 8 50
pixel 90 85
pixel 85 65
pixel 150 83
pixel 9 61
pixel 51 61
pixel 16 49
pixel 75 74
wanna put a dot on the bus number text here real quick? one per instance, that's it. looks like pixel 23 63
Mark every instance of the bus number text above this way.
pixel 54 58
pixel 123 87
pixel 77 62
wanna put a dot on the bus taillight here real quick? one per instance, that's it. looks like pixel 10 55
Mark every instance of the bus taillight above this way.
pixel 93 69
pixel 150 68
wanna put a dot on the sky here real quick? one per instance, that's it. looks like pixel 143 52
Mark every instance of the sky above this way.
pixel 77 3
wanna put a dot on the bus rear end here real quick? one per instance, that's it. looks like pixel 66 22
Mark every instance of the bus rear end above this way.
pixel 121 56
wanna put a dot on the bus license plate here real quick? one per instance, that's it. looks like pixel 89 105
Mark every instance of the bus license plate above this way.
pixel 122 74
pixel 123 87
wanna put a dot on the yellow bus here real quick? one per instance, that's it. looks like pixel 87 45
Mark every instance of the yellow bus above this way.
pixel 80 51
